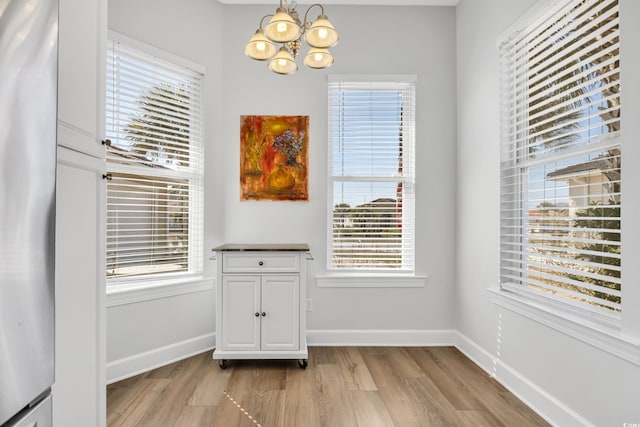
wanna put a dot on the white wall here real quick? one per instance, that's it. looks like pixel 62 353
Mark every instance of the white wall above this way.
pixel 565 379
pixel 374 40
pixel 457 236
pixel 143 334
pixel 422 43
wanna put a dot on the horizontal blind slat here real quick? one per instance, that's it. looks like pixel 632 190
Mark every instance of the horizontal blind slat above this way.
pixel 371 130
pixel 560 163
pixel 154 199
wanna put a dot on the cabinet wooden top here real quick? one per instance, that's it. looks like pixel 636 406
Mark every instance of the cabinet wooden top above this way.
pixel 254 247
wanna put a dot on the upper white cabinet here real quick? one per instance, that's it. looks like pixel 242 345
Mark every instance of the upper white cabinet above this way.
pixel 82 38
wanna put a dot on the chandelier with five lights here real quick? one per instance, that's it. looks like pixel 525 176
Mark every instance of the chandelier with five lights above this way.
pixel 285 28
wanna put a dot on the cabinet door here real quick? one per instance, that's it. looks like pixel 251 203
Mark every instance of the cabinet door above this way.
pixel 240 303
pixel 82 34
pixel 280 304
pixel 80 310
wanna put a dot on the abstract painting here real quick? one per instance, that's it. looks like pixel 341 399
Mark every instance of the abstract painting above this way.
pixel 274 158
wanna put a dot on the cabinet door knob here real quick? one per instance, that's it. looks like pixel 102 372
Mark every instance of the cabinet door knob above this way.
pixel 261 263
pixel 264 314
pixel 257 314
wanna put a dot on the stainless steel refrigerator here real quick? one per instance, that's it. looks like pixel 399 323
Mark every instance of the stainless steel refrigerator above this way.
pixel 28 104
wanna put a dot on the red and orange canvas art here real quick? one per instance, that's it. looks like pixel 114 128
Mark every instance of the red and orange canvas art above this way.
pixel 274 158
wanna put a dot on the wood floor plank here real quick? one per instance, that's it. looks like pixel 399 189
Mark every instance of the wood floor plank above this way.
pixel 166 371
pixel 141 398
pixel 271 375
pixel 325 355
pixel 127 383
pixel 342 386
pixel 269 407
pixel 354 371
pixel 393 390
pixel 333 403
pixel 117 399
pixel 488 390
pixel 211 386
pixel 458 366
pixel 454 390
pixel 474 417
pixel 523 410
pixel 241 390
pixel 175 396
pixel 196 416
pixel 434 409
pixel 130 392
pixel 369 409
pixel 401 363
pixel 119 393
pixel 301 398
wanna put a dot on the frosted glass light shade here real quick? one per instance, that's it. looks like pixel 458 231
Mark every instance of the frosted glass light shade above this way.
pixel 321 34
pixel 283 62
pixel 259 47
pixel 282 28
pixel 318 58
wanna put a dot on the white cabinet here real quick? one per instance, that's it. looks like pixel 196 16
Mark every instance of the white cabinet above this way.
pixel 260 313
pixel 79 391
pixel 260 301
pixel 81 63
pixel 79 397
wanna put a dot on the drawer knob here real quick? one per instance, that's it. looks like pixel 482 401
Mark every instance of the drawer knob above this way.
pixel 257 314
pixel 261 263
pixel 264 314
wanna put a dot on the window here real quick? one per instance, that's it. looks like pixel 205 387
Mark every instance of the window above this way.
pixel 561 157
pixel 371 175
pixel 154 195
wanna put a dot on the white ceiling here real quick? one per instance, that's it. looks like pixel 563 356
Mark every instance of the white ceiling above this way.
pixel 355 2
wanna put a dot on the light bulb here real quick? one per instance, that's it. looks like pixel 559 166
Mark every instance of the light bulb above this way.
pixel 282 62
pixel 318 58
pixel 282 28
pixel 321 34
pixel 259 47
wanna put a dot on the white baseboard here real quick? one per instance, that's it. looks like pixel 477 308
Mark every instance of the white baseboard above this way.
pixel 380 337
pixel 143 362
pixel 477 354
pixel 544 404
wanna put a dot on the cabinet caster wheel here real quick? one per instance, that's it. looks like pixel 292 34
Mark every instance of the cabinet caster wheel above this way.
pixel 224 364
pixel 303 363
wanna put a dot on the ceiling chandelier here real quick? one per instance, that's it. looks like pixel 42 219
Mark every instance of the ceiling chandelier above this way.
pixel 285 28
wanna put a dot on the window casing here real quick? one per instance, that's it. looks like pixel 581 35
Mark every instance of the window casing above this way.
pixel 561 157
pixel 154 190
pixel 371 170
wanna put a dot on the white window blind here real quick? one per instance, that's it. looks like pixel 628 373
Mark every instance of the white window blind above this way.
pixel 154 159
pixel 372 175
pixel 561 156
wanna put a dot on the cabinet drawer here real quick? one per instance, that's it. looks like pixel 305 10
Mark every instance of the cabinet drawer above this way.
pixel 263 262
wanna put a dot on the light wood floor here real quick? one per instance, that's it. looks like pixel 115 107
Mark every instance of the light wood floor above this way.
pixel 343 386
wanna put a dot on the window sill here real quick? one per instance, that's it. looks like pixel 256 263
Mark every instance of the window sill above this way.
pixel 602 336
pixel 371 281
pixel 144 291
